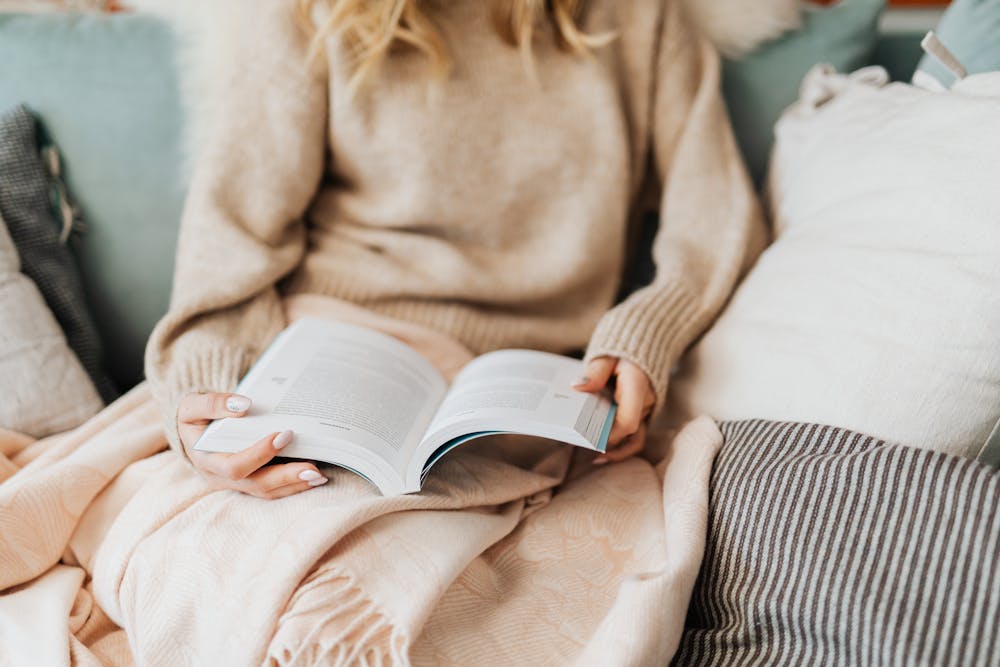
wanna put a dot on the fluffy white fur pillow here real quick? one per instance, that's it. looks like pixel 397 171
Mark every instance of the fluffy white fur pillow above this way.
pixel 44 388
pixel 878 306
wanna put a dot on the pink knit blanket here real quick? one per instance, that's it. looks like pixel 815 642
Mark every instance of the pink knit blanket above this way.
pixel 517 552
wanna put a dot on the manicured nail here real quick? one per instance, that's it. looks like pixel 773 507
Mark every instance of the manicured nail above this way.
pixel 600 460
pixel 583 380
pixel 282 439
pixel 237 404
pixel 314 478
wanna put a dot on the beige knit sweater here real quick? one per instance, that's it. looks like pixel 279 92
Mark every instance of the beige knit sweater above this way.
pixel 481 205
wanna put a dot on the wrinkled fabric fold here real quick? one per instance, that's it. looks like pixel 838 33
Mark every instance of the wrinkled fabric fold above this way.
pixel 518 551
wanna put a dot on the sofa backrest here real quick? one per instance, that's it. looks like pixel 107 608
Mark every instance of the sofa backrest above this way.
pixel 106 92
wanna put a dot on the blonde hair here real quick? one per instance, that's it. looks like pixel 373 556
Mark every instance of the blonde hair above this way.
pixel 372 28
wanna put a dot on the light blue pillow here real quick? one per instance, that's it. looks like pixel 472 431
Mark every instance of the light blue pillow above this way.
pixel 105 91
pixel 759 86
pixel 971 30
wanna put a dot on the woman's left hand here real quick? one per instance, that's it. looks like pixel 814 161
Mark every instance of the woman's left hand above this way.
pixel 635 397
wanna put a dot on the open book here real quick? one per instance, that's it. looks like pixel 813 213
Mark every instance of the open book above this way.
pixel 365 401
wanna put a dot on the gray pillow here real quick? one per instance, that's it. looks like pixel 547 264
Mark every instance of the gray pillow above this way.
pixel 26 207
pixel 828 547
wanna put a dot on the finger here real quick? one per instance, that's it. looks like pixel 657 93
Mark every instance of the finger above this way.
pixel 291 490
pixel 237 466
pixel 649 402
pixel 199 408
pixel 632 446
pixel 630 393
pixel 280 492
pixel 647 408
pixel 272 478
pixel 596 374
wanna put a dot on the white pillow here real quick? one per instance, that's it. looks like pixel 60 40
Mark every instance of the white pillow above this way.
pixel 878 306
pixel 43 387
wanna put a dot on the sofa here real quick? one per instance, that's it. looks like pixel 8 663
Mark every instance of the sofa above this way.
pixel 784 496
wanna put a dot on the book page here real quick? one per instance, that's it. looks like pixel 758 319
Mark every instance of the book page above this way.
pixel 348 392
pixel 519 391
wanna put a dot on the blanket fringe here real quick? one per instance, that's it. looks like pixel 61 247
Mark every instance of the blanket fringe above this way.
pixel 331 621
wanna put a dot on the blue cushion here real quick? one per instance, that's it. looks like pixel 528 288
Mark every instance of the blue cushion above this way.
pixel 761 85
pixel 971 30
pixel 105 91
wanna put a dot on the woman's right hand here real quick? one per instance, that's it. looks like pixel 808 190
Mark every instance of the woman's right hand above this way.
pixel 243 471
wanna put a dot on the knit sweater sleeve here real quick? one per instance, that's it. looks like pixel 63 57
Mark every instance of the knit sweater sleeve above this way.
pixel 257 121
pixel 711 228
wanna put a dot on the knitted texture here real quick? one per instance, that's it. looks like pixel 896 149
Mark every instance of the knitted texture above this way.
pixel 482 205
pixel 43 387
pixel 27 209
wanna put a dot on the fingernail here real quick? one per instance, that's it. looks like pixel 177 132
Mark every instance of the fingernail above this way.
pixel 237 404
pixel 600 460
pixel 314 478
pixel 282 439
pixel 583 380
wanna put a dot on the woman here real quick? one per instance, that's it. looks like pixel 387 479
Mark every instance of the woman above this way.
pixel 470 166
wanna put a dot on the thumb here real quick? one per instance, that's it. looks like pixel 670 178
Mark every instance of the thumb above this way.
pixel 596 374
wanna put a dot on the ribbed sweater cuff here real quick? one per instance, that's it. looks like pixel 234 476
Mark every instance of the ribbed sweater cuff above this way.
pixel 651 329
pixel 217 369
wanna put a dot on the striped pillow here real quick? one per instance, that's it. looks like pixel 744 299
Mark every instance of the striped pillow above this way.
pixel 827 547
